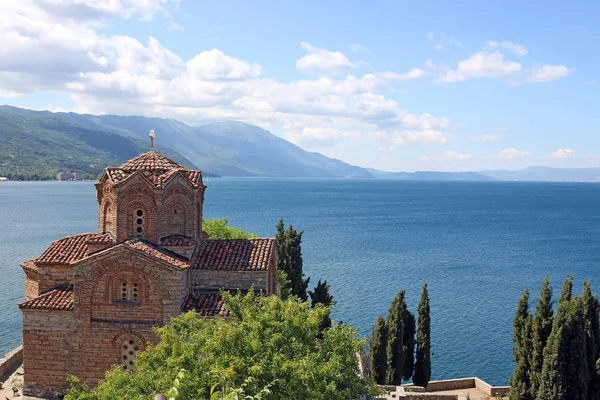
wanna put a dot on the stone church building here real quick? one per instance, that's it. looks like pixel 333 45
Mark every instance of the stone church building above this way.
pixel 92 299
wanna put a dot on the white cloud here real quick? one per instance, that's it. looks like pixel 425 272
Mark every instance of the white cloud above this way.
pixel 443 41
pixel 50 50
pixel 509 154
pixel 448 156
pixel 355 47
pixel 564 153
pixel 482 65
pixel 491 63
pixel 593 82
pixel 323 60
pixel 99 9
pixel 546 73
pixel 518 49
pixel 483 138
pixel 175 26
pixel 421 137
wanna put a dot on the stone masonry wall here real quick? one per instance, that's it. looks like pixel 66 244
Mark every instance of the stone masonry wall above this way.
pixel 32 285
pixel 51 276
pixel 243 280
pixel 49 343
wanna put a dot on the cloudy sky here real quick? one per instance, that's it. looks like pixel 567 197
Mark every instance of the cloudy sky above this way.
pixel 395 85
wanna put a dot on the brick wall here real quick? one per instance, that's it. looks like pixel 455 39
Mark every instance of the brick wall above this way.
pixel 32 287
pixel 51 276
pixel 49 344
pixel 231 280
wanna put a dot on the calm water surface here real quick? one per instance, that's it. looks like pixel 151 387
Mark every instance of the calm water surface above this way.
pixel 477 244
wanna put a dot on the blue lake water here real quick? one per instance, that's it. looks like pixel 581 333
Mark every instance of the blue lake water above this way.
pixel 477 244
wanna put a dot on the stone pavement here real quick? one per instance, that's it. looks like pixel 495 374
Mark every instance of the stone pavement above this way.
pixel 13 378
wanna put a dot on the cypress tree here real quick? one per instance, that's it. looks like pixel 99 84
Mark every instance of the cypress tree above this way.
pixel 320 295
pixel 288 244
pixel 541 328
pixel 520 382
pixel 592 333
pixel 565 294
pixel 578 373
pixel 565 374
pixel 395 340
pixel 422 372
pixel 377 351
pixel 409 346
pixel 293 247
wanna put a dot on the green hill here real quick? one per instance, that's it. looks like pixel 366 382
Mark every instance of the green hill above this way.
pixel 37 145
pixel 226 148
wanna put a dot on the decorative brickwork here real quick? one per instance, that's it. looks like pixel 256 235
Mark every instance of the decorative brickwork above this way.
pixel 93 299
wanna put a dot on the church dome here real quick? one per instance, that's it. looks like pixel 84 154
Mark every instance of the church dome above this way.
pixel 151 161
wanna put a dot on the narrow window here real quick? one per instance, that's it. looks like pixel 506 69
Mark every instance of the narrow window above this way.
pixel 129 291
pixel 138 219
pixel 124 291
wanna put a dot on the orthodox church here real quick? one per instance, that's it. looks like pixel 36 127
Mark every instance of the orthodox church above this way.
pixel 92 299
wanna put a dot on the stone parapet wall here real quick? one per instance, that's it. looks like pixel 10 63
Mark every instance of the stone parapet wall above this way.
pixel 11 361
pixel 410 391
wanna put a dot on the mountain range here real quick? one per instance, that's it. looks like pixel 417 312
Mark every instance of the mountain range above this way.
pixel 38 144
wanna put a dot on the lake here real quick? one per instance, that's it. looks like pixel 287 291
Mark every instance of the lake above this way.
pixel 477 244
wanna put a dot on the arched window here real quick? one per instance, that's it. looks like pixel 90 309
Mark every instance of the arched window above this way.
pixel 178 219
pixel 108 218
pixel 129 291
pixel 129 350
pixel 138 222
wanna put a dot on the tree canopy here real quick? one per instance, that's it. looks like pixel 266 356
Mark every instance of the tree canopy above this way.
pixel 218 229
pixel 265 343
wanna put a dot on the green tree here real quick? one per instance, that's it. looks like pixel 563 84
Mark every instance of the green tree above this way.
pixel 395 341
pixel 422 373
pixel 377 351
pixel 592 333
pixel 409 346
pixel 288 244
pixel 520 382
pixel 566 292
pixel 565 373
pixel 218 229
pixel 273 342
pixel 540 331
pixel 320 295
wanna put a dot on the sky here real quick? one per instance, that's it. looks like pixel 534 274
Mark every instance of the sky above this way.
pixel 459 85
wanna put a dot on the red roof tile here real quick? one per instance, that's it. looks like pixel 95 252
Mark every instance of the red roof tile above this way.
pixel 157 168
pixel 235 255
pixel 150 161
pixel 30 265
pixel 206 304
pixel 163 255
pixel 72 248
pixel 178 240
pixel 57 299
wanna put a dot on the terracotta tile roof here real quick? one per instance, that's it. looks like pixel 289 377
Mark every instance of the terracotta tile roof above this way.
pixel 72 248
pixel 117 175
pixel 61 298
pixel 235 255
pixel 157 168
pixel 178 240
pixel 162 254
pixel 195 177
pixel 104 238
pixel 208 304
pixel 30 265
pixel 150 161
